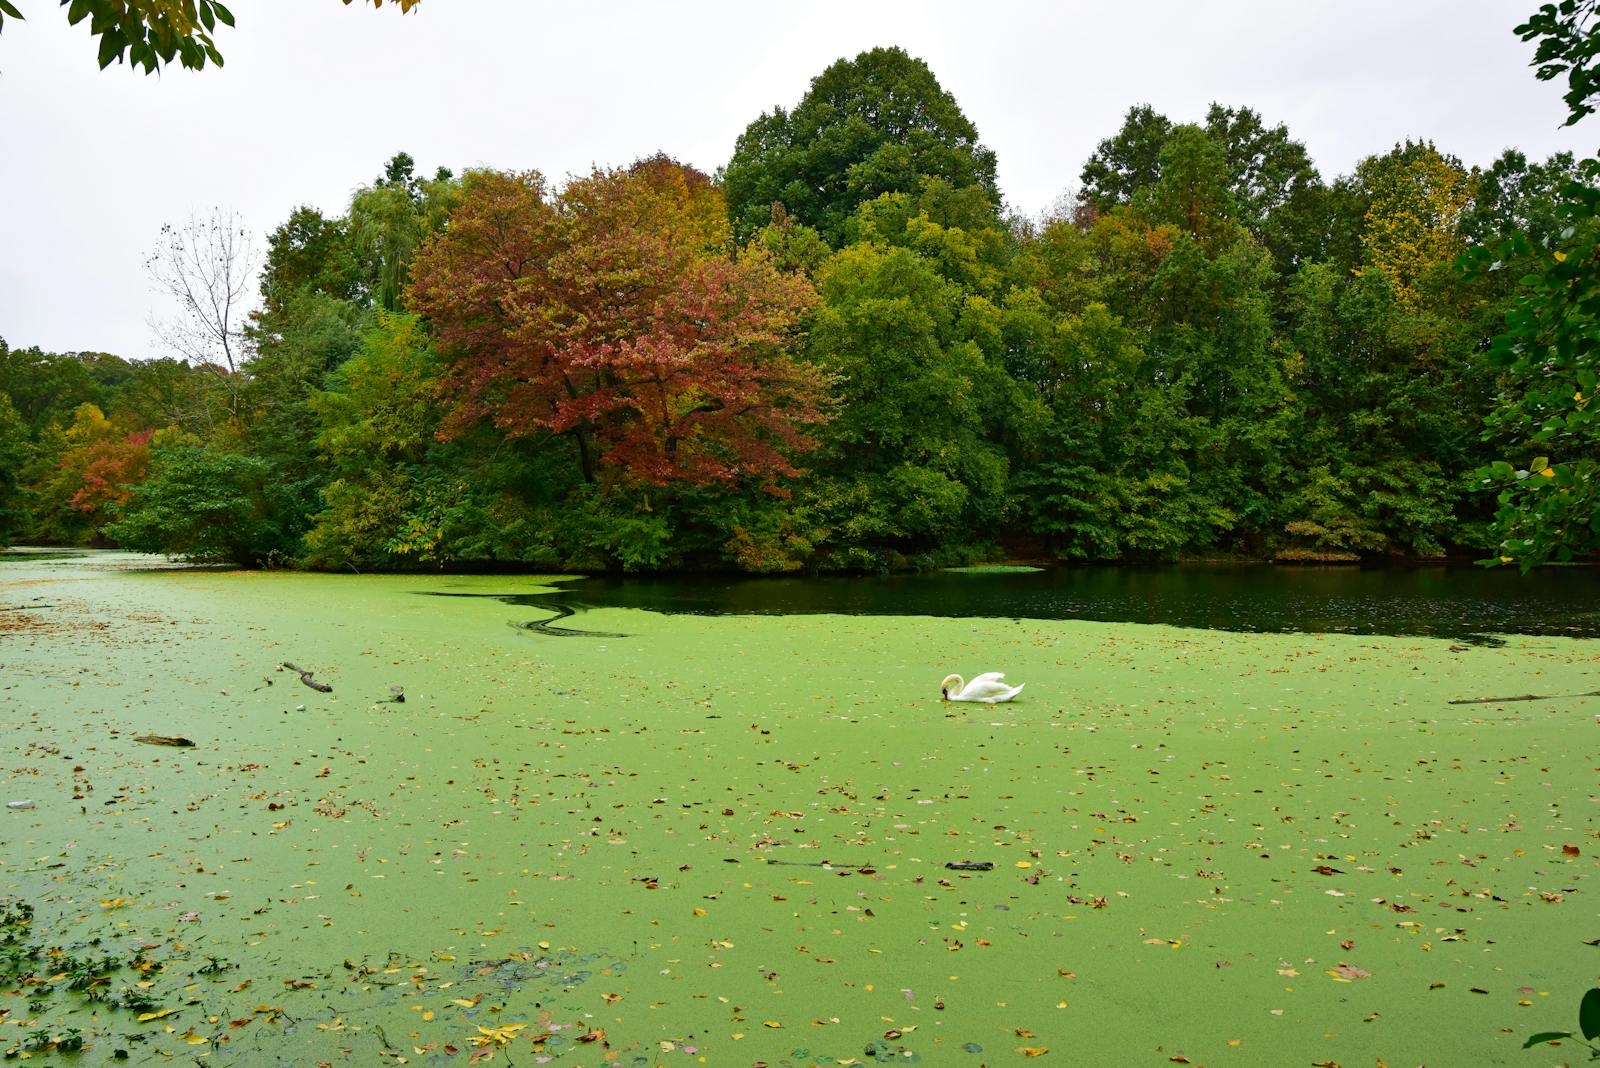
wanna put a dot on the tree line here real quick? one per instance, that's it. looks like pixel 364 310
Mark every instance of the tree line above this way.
pixel 842 352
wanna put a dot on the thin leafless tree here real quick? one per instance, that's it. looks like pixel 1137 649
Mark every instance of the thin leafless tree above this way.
pixel 208 266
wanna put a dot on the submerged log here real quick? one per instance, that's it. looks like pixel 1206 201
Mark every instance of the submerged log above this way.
pixel 162 739
pixel 305 677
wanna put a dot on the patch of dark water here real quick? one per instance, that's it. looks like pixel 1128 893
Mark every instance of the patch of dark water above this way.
pixel 1464 604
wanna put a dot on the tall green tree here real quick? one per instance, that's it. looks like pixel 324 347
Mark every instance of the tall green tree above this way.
pixel 14 454
pixel 878 123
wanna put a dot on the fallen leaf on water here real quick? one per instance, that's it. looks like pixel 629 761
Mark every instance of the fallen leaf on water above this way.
pixel 1033 1051
pixel 143 1016
pixel 1348 972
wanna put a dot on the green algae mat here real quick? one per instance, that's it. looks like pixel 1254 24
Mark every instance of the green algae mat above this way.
pixel 728 840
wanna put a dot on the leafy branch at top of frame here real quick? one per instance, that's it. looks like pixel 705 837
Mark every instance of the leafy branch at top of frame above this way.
pixel 148 34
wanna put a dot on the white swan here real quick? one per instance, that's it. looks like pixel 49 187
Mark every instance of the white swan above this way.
pixel 986 688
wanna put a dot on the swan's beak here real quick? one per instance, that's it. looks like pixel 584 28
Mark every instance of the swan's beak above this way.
pixel 944 693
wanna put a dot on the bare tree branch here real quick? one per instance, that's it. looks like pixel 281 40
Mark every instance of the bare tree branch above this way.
pixel 207 266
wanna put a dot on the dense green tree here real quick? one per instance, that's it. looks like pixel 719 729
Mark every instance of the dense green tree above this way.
pixel 878 123
pixel 310 251
pixel 1267 170
pixel 909 458
pixel 1127 161
pixel 1192 191
pixel 44 387
pixel 205 503
pixel 14 453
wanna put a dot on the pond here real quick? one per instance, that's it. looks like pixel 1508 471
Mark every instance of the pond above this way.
pixel 732 839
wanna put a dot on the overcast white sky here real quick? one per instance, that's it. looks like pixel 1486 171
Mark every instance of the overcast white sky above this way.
pixel 315 97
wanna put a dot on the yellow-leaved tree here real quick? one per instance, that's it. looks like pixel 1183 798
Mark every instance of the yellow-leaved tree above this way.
pixel 1417 198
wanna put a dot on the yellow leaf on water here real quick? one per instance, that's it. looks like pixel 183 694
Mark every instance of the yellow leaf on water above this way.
pixel 771 1023
pixel 465 1003
pixel 113 902
pixel 144 1016
pixel 1033 1051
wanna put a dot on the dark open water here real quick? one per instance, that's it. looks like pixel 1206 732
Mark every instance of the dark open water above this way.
pixel 1461 603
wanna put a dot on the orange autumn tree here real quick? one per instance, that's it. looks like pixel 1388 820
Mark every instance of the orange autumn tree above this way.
pixel 617 312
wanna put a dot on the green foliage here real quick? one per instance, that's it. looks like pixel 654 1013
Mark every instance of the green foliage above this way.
pixel 911 442
pixel 1568 33
pixel 150 34
pixel 208 505
pixel 45 388
pixel 1214 353
pixel 14 453
pixel 1550 348
pixel 876 124
pixel 1550 351
pixel 390 219
pixel 308 251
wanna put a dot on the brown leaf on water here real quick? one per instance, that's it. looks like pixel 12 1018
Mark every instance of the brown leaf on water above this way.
pixel 1324 1064
pixel 1033 1051
pixel 1571 851
pixel 1349 971
pixel 1324 869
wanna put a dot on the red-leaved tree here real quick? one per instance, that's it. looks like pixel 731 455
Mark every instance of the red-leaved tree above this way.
pixel 618 313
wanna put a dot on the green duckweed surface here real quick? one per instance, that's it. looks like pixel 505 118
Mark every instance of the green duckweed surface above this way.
pixel 723 840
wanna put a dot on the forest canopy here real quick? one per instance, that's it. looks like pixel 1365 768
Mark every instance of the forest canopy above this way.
pixel 845 352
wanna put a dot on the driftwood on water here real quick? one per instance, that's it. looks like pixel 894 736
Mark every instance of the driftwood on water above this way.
pixel 162 739
pixel 1524 697
pixel 305 677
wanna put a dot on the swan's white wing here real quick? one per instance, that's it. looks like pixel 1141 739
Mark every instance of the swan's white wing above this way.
pixel 986 687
